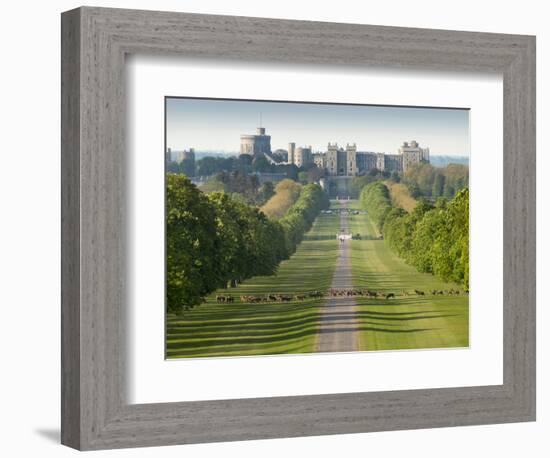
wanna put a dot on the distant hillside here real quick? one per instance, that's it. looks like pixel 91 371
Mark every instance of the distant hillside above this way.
pixel 442 161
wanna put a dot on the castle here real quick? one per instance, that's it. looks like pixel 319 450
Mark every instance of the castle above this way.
pixel 256 144
pixel 178 156
pixel 338 161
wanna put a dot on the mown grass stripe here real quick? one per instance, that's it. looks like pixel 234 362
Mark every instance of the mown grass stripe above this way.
pixel 404 322
pixel 239 329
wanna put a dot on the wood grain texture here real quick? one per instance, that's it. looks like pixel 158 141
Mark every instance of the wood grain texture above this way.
pixel 96 414
pixel 70 229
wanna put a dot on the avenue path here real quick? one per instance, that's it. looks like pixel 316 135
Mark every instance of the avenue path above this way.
pixel 338 330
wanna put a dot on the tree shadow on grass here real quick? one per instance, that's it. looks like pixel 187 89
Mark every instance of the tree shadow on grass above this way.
pixel 240 320
pixel 277 330
pixel 234 352
pixel 260 331
pixel 203 345
pixel 244 339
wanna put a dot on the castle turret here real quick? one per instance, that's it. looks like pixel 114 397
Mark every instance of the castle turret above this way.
pixel 291 153
pixel 303 156
pixel 256 144
pixel 351 159
pixel 412 153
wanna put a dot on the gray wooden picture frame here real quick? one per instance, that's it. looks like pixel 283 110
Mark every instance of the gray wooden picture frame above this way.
pixel 95 412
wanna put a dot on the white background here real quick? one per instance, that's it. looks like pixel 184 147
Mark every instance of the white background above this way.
pixel 29 234
pixel 156 380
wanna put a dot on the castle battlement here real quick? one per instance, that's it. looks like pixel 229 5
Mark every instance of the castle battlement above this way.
pixel 340 161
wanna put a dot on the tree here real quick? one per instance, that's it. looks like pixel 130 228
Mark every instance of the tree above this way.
pixel 303 177
pixel 421 176
pixel 359 182
pixel 425 180
pixel 300 216
pixel 375 198
pixel 249 244
pixel 448 191
pixel 212 185
pixel 450 252
pixel 440 203
pixel 244 162
pixel 395 177
pixel 438 185
pixel 230 230
pixel 215 239
pixel 238 181
pixel 172 167
pixel 187 167
pixel 286 193
pixel 192 245
pixel 432 238
pixel 266 191
pixel 426 232
pixel 395 229
pixel 209 165
pixel 261 164
pixel 414 190
pixel 456 175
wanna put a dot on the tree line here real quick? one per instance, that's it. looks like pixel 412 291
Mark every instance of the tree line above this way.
pixel 300 216
pixel 186 166
pixel 242 186
pixel 286 192
pixel 214 240
pixel 425 180
pixel 211 165
pixel 433 237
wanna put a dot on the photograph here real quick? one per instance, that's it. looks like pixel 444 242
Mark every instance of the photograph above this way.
pixel 300 227
pixel 275 229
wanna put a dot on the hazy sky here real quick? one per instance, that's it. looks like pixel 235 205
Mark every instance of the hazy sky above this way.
pixel 217 125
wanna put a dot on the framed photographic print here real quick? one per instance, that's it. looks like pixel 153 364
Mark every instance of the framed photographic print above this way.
pixel 280 228
pixel 311 271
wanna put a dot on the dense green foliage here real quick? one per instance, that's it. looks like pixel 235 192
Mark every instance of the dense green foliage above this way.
pixel 375 198
pixel 433 239
pixel 359 182
pixel 425 180
pixel 210 165
pixel 300 216
pixel 239 182
pixel 214 240
pixel 191 244
pixel 407 321
pixel 286 193
pixel 242 186
pixel 265 192
pixel 404 322
pixel 186 166
pixel 240 328
pixel 400 195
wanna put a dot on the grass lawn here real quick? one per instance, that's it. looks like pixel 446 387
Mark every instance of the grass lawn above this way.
pixel 239 329
pixel 406 322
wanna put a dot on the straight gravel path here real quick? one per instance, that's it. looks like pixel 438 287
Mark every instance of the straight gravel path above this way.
pixel 338 329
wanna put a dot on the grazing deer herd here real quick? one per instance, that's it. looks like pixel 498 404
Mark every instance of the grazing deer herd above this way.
pixel 334 292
